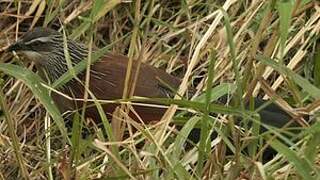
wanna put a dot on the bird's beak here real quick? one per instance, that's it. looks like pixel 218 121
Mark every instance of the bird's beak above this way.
pixel 17 46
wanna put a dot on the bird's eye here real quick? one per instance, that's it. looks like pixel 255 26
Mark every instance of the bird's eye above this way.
pixel 36 43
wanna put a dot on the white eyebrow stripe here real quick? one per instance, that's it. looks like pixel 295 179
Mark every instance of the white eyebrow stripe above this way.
pixel 41 39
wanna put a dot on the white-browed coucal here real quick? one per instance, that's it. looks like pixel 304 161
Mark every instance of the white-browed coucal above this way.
pixel 45 47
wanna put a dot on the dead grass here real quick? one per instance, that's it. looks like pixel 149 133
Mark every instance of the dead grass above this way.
pixel 179 37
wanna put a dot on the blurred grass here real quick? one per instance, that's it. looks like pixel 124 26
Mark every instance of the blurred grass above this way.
pixel 214 52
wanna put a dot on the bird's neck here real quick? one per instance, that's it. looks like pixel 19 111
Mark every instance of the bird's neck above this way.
pixel 57 64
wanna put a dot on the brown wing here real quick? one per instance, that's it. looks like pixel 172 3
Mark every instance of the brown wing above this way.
pixel 107 83
pixel 108 76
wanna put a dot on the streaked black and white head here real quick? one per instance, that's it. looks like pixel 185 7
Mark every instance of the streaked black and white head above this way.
pixel 45 47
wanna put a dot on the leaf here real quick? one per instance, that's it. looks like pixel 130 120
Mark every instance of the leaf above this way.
pixel 99 9
pixel 217 92
pixel 285 10
pixel 302 166
pixel 302 82
pixel 34 82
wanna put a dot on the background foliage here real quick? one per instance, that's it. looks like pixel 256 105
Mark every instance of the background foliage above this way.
pixel 248 47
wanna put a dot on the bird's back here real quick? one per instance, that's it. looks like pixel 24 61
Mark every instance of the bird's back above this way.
pixel 107 81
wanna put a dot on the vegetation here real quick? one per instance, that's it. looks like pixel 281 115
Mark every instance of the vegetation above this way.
pixel 244 48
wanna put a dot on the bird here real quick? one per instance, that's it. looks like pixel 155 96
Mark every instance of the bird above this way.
pixel 45 47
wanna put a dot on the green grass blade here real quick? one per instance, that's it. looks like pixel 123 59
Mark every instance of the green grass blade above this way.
pixel 303 167
pixel 204 146
pixel 302 82
pixel 33 81
pixel 285 10
pixel 100 9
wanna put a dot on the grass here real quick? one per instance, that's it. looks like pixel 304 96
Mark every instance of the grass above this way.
pixel 244 48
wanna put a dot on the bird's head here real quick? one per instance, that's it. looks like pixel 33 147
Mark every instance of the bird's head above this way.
pixel 45 47
pixel 36 44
